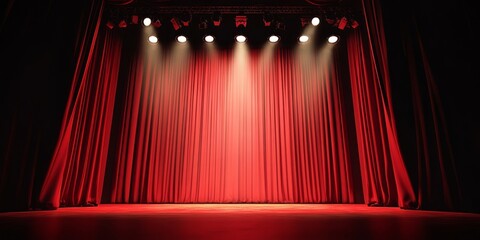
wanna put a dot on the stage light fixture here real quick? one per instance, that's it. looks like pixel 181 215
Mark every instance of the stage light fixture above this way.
pixel 147 21
pixel 209 38
pixel 304 21
pixel 176 23
pixel 303 39
pixel 333 39
pixel 134 19
pixel 342 23
pixel 110 24
pixel 157 23
pixel 203 24
pixel 273 38
pixel 241 38
pixel 267 19
pixel 241 31
pixel 354 23
pixel 153 39
pixel 181 39
pixel 185 18
pixel 277 29
pixel 331 18
pixel 241 20
pixel 315 21
pixel 122 23
pixel 279 25
pixel 217 18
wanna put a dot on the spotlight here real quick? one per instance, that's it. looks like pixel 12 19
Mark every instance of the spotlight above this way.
pixel 186 18
pixel 241 21
pixel 181 39
pixel 304 21
pixel 354 23
pixel 147 21
pixel 216 18
pixel 241 24
pixel 110 24
pixel 153 39
pixel 279 25
pixel 303 38
pixel 315 21
pixel 267 19
pixel 134 19
pixel 240 38
pixel 157 23
pixel 277 30
pixel 331 18
pixel 203 24
pixel 122 23
pixel 241 33
pixel 333 39
pixel 273 38
pixel 343 23
pixel 176 23
pixel 209 38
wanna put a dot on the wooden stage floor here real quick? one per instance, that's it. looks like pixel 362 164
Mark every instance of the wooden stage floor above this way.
pixel 238 221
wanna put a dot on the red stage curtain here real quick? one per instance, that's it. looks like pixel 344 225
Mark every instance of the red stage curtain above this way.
pixel 384 176
pixel 241 126
pixel 229 126
pixel 77 169
pixel 438 182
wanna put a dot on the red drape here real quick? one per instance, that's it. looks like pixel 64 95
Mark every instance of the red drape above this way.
pixel 239 125
pixel 384 176
pixel 77 169
pixel 439 186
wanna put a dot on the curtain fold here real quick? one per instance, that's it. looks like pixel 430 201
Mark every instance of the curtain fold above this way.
pixel 384 175
pixel 36 76
pixel 438 181
pixel 239 126
pixel 76 172
pixel 435 173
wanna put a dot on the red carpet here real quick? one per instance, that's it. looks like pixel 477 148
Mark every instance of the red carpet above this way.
pixel 238 221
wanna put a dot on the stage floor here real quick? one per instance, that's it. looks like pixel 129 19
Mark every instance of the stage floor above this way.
pixel 238 221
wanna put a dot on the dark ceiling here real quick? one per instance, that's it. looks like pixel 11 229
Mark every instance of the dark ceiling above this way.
pixel 351 4
pixel 232 2
pixel 235 6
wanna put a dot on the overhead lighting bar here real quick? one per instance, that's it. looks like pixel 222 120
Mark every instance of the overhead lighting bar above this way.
pixel 247 10
pixel 183 14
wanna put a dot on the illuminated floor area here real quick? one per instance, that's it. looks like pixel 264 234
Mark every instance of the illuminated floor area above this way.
pixel 238 221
